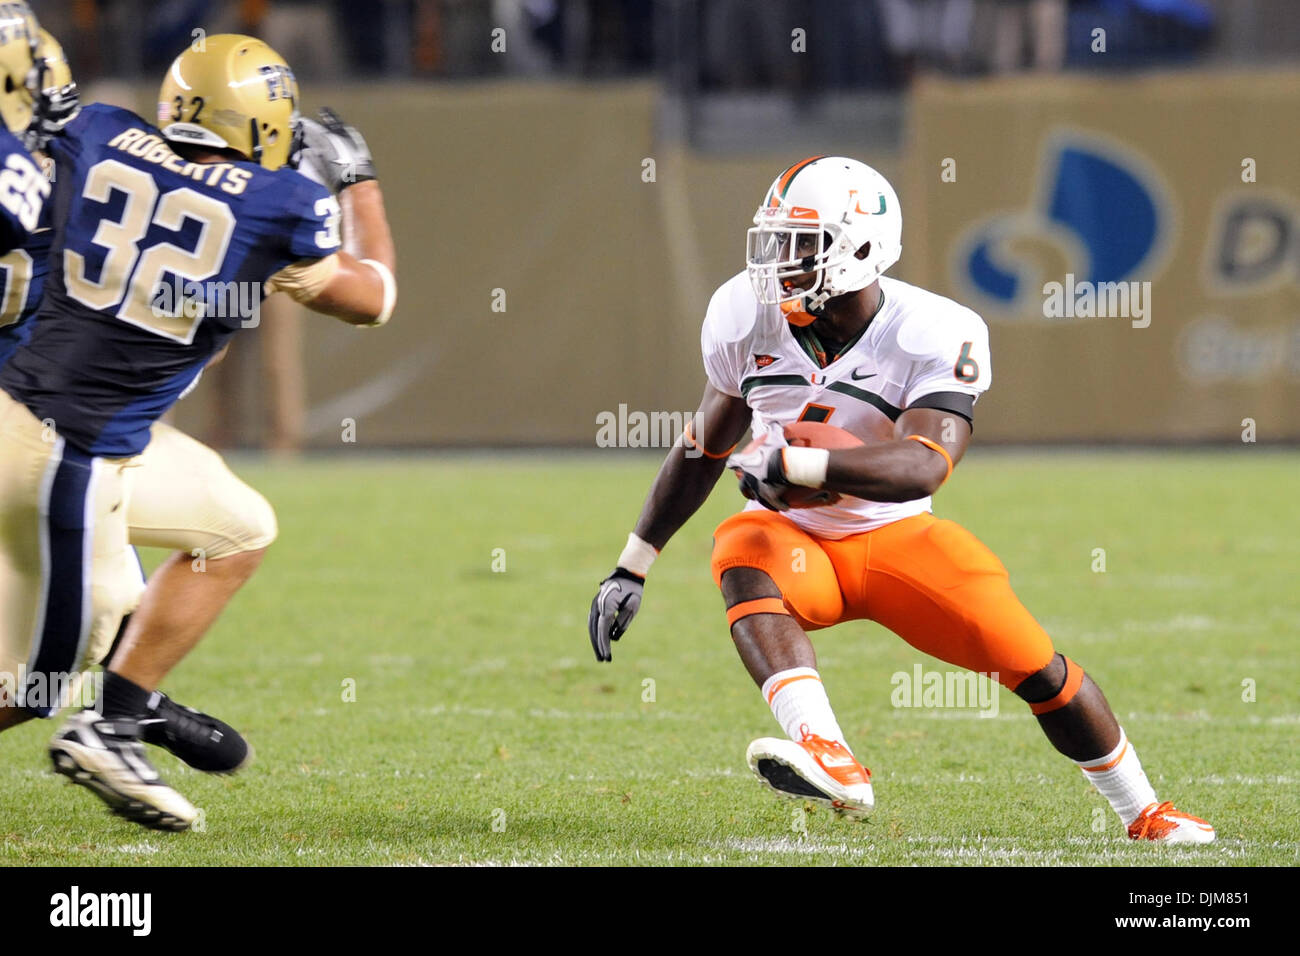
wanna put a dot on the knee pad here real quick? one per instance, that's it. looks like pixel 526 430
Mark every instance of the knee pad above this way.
pixel 796 563
pixel 251 524
pixel 744 543
pixel 186 499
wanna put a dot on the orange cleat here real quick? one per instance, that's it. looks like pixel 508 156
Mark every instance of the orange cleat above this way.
pixel 1160 821
pixel 816 769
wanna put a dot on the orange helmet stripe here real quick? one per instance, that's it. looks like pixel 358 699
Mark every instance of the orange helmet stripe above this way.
pixel 783 182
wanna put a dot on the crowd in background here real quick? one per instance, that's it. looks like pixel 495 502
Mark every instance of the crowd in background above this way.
pixel 702 50
pixel 704 45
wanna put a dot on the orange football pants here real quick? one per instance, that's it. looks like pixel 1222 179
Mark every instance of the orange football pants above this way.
pixel 930 581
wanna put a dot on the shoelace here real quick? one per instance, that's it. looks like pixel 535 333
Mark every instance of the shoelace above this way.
pixel 833 746
pixel 1149 817
pixel 179 722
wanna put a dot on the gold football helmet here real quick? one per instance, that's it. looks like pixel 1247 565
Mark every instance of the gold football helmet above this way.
pixel 231 92
pixel 52 63
pixel 19 37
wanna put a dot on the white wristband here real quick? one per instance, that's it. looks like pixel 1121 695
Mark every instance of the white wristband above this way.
pixel 806 466
pixel 637 556
pixel 390 293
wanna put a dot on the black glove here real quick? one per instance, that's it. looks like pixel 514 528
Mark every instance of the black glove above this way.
pixel 612 610
pixel 52 109
pixel 332 152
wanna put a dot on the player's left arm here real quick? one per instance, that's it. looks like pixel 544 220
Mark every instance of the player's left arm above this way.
pixel 359 292
pixel 909 466
pixel 357 283
pixel 930 435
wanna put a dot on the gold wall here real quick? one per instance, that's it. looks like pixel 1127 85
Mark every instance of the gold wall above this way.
pixel 538 191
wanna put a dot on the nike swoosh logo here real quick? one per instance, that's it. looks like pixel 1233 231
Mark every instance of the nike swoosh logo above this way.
pixel 828 761
pixel 857 378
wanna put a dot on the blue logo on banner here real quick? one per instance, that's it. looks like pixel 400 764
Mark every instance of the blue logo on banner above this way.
pixel 1093 203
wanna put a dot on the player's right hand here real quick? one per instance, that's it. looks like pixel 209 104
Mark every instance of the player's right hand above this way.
pixel 52 109
pixel 332 152
pixel 761 470
pixel 612 610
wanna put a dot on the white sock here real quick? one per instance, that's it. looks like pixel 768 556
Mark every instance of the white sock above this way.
pixel 798 701
pixel 1121 780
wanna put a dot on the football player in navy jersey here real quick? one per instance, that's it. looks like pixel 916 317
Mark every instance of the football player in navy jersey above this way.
pixel 23 188
pixel 206 207
pixel 184 498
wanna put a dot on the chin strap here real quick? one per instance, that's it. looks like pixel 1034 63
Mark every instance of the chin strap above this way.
pixel 817 302
pixel 257 141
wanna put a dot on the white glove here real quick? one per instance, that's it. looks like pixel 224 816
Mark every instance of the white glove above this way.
pixel 331 152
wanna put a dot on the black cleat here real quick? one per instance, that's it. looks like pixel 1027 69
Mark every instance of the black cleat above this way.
pixel 203 742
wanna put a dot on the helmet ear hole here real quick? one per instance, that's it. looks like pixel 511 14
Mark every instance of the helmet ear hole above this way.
pixel 864 251
pixel 9 84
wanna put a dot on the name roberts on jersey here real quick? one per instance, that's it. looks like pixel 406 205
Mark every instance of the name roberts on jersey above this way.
pixel 152 148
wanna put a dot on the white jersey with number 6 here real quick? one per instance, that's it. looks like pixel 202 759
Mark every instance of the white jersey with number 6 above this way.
pixel 919 344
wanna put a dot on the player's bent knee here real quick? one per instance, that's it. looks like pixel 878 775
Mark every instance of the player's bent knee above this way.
pixel 250 526
pixel 260 525
pixel 742 583
pixel 798 567
pixel 1052 688
pixel 744 542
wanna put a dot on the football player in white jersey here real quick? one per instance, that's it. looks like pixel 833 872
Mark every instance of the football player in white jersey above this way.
pixel 814 331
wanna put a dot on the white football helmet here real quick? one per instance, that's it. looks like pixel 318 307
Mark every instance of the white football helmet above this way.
pixel 817 214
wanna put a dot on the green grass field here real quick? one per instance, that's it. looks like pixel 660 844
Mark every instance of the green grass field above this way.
pixel 484 732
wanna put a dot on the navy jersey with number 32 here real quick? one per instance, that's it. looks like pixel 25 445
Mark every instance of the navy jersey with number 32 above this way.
pixel 155 262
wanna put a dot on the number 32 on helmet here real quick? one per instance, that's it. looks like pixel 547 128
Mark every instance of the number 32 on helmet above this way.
pixel 231 92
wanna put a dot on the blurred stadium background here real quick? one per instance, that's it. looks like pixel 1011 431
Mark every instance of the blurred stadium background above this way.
pixel 569 180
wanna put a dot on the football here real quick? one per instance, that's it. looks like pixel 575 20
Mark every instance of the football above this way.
pixel 807 434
